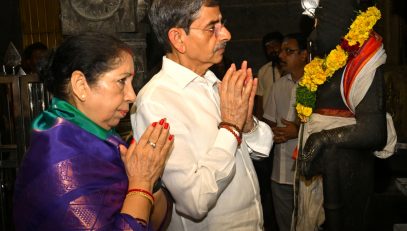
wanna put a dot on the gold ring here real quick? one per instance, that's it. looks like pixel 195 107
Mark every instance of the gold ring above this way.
pixel 151 144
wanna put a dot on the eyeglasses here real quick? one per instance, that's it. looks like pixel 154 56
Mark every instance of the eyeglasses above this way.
pixel 289 51
pixel 215 29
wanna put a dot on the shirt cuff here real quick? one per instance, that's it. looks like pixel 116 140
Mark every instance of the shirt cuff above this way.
pixel 260 140
pixel 226 141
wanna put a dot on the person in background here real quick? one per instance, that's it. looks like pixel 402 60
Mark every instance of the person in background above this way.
pixel 280 114
pixel 78 174
pixel 209 172
pixel 32 55
pixel 269 72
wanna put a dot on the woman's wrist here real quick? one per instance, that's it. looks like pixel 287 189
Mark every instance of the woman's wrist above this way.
pixel 148 186
pixel 143 193
pixel 138 205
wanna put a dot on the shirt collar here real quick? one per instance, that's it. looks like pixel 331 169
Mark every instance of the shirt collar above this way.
pixel 183 76
pixel 211 78
pixel 289 77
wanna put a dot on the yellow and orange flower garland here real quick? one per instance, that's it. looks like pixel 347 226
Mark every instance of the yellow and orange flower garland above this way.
pixel 319 70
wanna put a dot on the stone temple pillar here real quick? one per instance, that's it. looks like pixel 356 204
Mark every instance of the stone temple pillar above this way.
pixel 123 18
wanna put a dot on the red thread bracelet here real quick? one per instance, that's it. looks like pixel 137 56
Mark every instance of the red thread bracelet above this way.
pixel 231 125
pixel 145 195
pixel 143 191
pixel 227 127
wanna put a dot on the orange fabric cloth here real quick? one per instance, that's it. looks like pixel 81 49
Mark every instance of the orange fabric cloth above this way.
pixel 355 64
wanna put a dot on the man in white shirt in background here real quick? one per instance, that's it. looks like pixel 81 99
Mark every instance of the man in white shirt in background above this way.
pixel 269 72
pixel 209 172
pixel 280 114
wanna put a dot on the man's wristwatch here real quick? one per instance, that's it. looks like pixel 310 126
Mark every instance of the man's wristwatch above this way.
pixel 255 126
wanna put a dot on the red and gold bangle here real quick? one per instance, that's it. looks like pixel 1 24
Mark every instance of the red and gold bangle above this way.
pixel 145 195
pixel 235 133
pixel 141 190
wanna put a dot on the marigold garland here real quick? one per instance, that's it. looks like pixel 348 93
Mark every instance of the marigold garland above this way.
pixel 319 70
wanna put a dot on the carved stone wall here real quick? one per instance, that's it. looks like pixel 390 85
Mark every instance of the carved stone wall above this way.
pixel 120 17
pixel 95 15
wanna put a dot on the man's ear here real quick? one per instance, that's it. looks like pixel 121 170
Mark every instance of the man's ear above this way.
pixel 176 37
pixel 79 85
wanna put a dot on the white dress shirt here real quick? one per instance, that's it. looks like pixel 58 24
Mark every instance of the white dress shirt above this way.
pixel 281 104
pixel 212 180
pixel 266 80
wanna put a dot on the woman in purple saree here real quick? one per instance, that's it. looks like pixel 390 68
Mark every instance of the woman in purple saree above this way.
pixel 78 174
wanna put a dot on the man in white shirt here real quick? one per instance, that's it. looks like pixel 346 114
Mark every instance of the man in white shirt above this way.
pixel 209 172
pixel 281 115
pixel 269 72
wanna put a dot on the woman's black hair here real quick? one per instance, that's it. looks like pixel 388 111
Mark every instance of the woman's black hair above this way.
pixel 91 53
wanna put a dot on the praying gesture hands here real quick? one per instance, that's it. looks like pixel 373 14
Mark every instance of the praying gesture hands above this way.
pixel 144 160
pixel 237 92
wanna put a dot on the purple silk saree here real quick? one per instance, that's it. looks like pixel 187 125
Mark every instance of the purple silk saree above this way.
pixel 71 179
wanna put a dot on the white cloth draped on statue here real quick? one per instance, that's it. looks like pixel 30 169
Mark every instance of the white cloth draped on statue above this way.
pixel 357 92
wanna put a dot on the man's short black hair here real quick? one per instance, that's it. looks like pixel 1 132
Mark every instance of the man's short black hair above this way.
pixel 272 36
pixel 300 38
